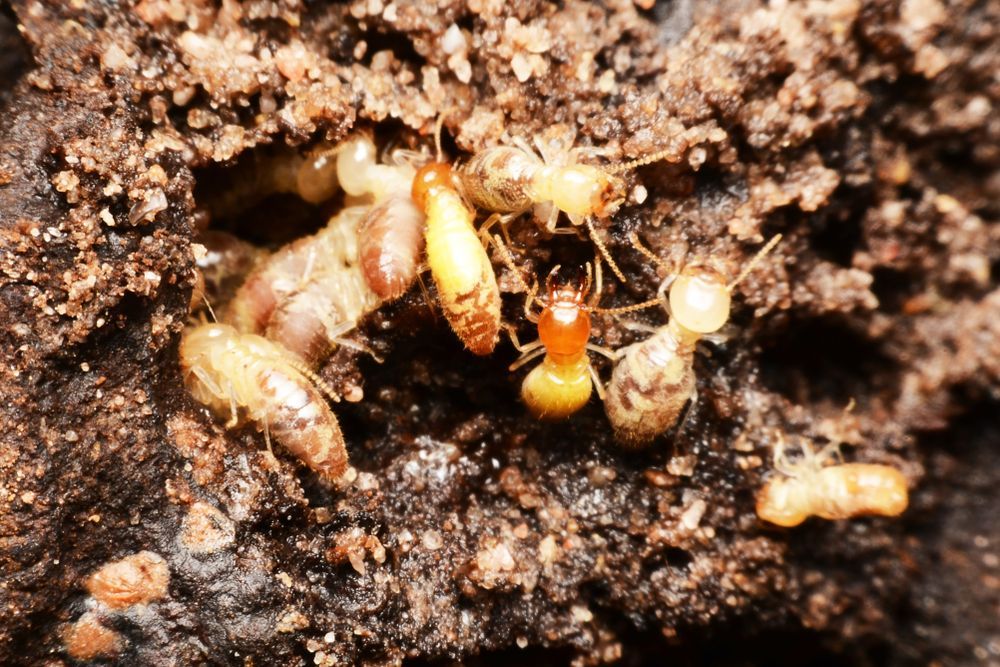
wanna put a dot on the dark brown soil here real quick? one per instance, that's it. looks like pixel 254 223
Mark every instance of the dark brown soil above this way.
pixel 864 131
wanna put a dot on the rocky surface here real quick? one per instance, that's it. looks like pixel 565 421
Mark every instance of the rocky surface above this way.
pixel 864 131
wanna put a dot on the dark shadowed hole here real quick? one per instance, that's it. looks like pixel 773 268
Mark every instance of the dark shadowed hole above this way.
pixel 235 199
pixel 826 360
pixel 14 54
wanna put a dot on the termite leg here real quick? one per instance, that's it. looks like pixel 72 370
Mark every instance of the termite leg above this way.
pixel 536 350
pixel 233 416
pixel 336 336
pixel 690 409
pixel 641 327
pixel 596 379
pixel 589 151
pixel 502 218
pixel 206 380
pixel 604 351
pixel 423 290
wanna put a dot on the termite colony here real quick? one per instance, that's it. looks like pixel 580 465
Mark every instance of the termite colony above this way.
pixel 408 212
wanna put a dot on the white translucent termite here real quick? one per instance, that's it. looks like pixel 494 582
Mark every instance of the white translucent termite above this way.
pixel 654 378
pixel 815 486
pixel 231 372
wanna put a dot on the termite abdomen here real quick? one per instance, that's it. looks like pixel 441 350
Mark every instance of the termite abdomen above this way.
pixel 499 179
pixel 467 286
pixel 390 241
pixel 649 388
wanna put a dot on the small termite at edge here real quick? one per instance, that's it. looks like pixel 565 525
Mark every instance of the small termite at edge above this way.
pixel 811 487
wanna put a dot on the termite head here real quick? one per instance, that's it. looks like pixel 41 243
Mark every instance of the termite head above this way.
pixel 431 177
pixel 354 157
pixel 700 299
pixel 564 324
pixel 583 190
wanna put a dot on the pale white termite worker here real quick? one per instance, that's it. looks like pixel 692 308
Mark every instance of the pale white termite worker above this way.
pixel 815 486
pixel 230 372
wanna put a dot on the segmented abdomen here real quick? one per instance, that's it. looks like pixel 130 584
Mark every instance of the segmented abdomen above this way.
pixel 649 388
pixel 391 238
pixel 467 286
pixel 309 293
pixel 499 179
pixel 222 366
pixel 859 489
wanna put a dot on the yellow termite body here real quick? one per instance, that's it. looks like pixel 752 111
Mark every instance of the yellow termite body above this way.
pixel 834 492
pixel 557 388
pixel 466 284
pixel 229 371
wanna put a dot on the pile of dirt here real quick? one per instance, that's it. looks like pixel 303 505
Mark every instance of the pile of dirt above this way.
pixel 136 529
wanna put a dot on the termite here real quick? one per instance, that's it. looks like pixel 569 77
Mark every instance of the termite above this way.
pixel 654 378
pixel 310 293
pixel 391 234
pixel 810 487
pixel 466 284
pixel 312 177
pixel 227 370
pixel 564 381
pixel 510 180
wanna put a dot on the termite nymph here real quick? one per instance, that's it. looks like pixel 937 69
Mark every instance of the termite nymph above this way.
pixel 655 378
pixel 391 234
pixel 564 381
pixel 226 371
pixel 466 284
pixel 810 487
pixel 309 294
pixel 510 180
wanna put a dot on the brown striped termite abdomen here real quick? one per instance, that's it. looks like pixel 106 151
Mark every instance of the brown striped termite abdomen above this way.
pixel 649 387
pixel 467 286
pixel 309 293
pixel 231 372
pixel 499 179
pixel 391 240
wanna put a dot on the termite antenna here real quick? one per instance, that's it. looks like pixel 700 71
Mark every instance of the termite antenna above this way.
pixel 753 262
pixel 633 238
pixel 604 251
pixel 320 383
pixel 548 279
pixel 509 261
pixel 649 303
pixel 437 131
pixel 204 297
pixel 588 280
pixel 640 162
